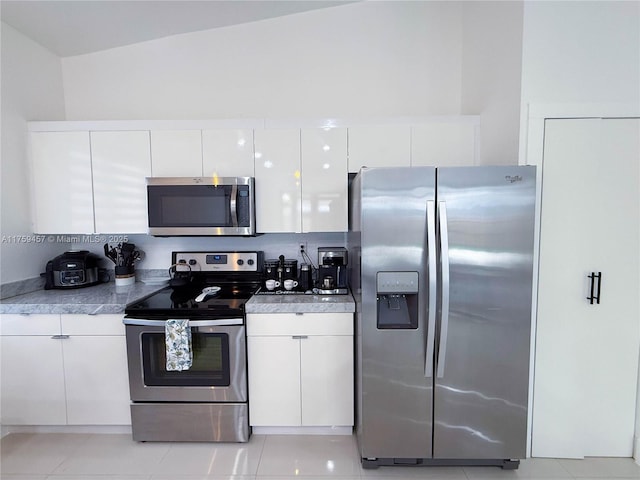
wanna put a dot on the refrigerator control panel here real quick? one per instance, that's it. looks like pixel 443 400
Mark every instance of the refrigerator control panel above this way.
pixel 397 282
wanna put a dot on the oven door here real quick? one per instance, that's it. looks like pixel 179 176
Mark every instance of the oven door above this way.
pixel 218 372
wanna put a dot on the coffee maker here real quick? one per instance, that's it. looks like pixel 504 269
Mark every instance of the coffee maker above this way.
pixel 332 271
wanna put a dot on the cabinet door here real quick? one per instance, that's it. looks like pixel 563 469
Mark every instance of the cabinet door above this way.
pixel 278 183
pixel 327 380
pixel 274 381
pixel 32 380
pixel 324 180
pixel 62 191
pixel 228 153
pixel 121 161
pixel 97 380
pixel 443 145
pixel 95 370
pixel 176 153
pixel 379 146
pixel 587 354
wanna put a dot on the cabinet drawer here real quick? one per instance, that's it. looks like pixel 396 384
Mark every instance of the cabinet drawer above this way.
pixel 259 324
pixel 33 324
pixel 92 324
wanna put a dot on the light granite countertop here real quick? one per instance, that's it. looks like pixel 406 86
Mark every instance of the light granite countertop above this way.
pixel 107 298
pixel 301 304
pixel 103 298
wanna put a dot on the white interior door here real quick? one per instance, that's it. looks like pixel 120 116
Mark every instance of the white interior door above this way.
pixel 587 354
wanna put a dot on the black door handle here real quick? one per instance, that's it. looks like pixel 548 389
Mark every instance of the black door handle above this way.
pixel 595 290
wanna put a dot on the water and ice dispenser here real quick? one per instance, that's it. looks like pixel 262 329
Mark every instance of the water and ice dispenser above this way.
pixel 397 298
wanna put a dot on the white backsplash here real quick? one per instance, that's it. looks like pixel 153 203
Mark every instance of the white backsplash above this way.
pixel 157 250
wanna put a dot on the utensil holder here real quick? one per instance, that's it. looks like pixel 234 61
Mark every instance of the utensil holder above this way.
pixel 125 276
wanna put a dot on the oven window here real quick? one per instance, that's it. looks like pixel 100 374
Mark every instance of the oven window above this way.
pixel 210 361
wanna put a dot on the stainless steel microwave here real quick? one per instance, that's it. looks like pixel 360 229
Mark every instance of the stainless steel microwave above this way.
pixel 201 206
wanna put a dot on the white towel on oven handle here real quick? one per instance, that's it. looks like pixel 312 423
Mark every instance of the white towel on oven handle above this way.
pixel 177 335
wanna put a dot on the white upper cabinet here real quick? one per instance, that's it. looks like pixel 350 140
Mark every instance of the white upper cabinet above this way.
pixel 121 161
pixel 228 153
pixel 197 153
pixel 379 146
pixel 324 180
pixel 61 180
pixel 443 144
pixel 278 181
pixel 176 153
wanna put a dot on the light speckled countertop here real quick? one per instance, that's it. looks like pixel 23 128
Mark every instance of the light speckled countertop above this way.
pixel 301 304
pixel 97 299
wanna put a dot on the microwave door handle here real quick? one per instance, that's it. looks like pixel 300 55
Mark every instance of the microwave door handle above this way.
pixel 234 205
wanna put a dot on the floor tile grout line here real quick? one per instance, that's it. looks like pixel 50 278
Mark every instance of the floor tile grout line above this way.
pixel 264 445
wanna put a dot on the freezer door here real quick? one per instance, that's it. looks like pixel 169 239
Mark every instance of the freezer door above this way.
pixel 486 224
pixel 395 395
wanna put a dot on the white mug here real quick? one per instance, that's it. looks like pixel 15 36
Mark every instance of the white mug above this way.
pixel 289 284
pixel 271 284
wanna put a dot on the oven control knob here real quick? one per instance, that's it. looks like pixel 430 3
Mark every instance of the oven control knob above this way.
pixel 250 261
pixel 240 261
pixel 192 262
pixel 182 260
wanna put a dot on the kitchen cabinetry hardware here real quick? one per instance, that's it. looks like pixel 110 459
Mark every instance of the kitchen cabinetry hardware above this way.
pixel 299 337
pixel 595 292
pixel 60 337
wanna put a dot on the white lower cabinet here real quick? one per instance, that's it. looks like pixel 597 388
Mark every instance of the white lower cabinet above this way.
pixel 64 370
pixel 32 384
pixel 300 369
pixel 274 381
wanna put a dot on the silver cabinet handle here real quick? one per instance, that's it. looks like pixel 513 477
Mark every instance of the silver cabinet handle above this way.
pixel 444 259
pixel 299 337
pixel 433 285
pixel 60 337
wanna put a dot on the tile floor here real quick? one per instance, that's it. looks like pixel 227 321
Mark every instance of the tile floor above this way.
pixel 53 456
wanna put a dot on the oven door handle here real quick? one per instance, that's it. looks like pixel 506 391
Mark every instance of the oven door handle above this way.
pixel 221 322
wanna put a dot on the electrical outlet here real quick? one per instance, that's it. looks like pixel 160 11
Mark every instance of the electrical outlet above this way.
pixel 303 248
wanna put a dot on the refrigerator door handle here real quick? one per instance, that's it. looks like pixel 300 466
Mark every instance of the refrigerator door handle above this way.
pixel 433 285
pixel 444 259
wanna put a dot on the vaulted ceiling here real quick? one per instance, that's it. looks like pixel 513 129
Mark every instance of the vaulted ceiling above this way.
pixel 68 28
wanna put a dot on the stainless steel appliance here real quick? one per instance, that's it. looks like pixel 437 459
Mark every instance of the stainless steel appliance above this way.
pixel 201 206
pixel 332 271
pixel 74 269
pixel 207 402
pixel 442 276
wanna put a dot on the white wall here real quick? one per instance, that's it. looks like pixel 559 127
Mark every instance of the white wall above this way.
pixel 491 70
pixel 362 59
pixel 31 90
pixel 581 52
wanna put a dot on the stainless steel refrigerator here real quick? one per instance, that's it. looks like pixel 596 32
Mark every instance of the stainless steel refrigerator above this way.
pixel 442 262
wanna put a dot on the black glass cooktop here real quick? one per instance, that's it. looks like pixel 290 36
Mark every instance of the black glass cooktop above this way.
pixel 181 302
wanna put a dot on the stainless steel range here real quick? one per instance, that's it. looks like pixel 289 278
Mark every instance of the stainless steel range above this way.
pixel 208 400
